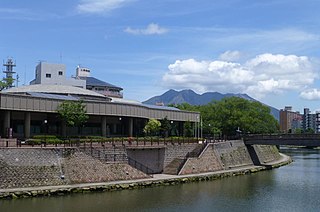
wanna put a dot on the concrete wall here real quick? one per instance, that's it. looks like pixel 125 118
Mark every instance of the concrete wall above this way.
pixel 57 73
pixel 153 158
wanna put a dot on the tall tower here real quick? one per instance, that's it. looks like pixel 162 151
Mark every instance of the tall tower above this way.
pixel 9 71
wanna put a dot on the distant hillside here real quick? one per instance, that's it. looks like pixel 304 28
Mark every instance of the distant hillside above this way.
pixel 192 98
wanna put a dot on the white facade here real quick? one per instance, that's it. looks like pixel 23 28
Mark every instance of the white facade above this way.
pixel 55 74
pixel 82 72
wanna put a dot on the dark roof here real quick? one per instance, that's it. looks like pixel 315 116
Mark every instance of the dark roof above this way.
pixel 52 96
pixel 91 81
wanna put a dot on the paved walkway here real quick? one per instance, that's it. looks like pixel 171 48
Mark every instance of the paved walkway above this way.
pixel 156 177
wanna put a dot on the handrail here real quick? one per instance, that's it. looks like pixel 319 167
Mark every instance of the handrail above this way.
pixel 140 166
pixel 191 154
pixel 281 136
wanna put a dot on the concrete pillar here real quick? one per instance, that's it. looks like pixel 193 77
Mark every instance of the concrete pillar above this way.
pixel 63 129
pixel 6 122
pixel 104 126
pixel 114 129
pixel 130 127
pixel 27 121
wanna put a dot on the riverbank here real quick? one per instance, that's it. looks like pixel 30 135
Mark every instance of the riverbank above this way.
pixel 156 180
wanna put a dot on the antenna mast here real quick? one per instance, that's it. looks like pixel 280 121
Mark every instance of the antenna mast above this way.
pixel 9 72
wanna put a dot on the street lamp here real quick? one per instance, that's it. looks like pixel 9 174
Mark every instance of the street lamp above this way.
pixel 209 131
pixel 171 128
pixel 121 127
pixel 45 131
pixel 239 132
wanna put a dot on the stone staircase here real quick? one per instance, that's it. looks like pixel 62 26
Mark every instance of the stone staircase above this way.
pixel 176 164
pixel 174 167
pixel 197 151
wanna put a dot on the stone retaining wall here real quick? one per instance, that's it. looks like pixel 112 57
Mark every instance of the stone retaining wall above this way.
pixel 177 151
pixel 33 167
pixel 266 153
pixel 233 154
pixel 133 184
pixel 27 168
pixel 112 154
pixel 43 167
pixel 82 168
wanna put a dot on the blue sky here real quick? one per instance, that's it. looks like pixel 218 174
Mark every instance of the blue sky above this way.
pixel 268 49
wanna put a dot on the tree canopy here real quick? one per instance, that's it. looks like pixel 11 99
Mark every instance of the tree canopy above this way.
pixel 74 113
pixel 152 127
pixel 165 127
pixel 6 83
pixel 229 114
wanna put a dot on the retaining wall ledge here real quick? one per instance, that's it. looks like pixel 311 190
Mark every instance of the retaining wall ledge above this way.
pixel 157 180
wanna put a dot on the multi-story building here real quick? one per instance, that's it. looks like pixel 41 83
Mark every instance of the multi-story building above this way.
pixel 55 74
pixel 97 85
pixel 289 120
pixel 317 121
pixel 31 110
pixel 309 120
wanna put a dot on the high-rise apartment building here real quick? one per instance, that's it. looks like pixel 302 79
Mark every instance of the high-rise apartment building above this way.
pixel 289 120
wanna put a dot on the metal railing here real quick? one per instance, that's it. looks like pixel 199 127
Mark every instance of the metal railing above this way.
pixel 192 154
pixel 76 142
pixel 282 136
pixel 140 166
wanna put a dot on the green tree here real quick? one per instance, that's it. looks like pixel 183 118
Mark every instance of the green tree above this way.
pixel 309 131
pixel 298 131
pixel 165 127
pixel 187 129
pixel 229 114
pixel 152 127
pixel 73 113
pixel 6 83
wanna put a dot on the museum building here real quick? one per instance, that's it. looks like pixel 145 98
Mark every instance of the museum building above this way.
pixel 32 110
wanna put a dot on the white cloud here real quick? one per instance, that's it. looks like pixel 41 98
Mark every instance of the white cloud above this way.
pixel 264 74
pixel 100 6
pixel 150 30
pixel 312 94
pixel 230 56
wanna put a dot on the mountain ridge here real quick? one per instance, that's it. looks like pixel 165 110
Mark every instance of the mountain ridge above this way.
pixel 189 96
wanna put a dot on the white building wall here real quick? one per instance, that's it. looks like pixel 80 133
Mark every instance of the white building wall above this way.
pixel 55 74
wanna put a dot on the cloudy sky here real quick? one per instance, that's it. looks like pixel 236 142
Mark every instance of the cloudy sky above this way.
pixel 268 49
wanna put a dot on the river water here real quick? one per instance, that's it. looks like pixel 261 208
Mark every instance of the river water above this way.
pixel 295 187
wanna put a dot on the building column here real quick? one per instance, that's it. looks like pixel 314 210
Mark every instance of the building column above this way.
pixel 63 129
pixel 27 120
pixel 130 127
pixel 6 122
pixel 104 126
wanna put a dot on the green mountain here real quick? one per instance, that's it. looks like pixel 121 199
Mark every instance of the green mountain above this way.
pixel 192 98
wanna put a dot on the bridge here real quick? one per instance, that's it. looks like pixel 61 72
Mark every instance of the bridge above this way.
pixel 308 140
